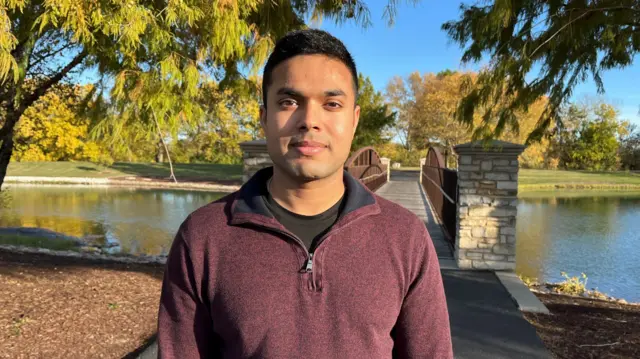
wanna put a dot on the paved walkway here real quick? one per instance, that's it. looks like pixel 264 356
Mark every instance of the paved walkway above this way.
pixel 404 190
pixel 485 322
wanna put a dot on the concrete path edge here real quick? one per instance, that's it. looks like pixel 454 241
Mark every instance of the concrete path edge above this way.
pixel 520 293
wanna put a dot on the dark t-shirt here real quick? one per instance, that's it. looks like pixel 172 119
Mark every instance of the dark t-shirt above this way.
pixel 308 228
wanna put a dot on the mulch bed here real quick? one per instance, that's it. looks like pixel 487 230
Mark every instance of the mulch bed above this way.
pixel 55 307
pixel 588 328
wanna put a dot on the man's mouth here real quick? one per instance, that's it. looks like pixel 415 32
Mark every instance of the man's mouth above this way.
pixel 309 148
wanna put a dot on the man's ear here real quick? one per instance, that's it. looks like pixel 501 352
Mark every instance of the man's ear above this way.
pixel 263 118
pixel 356 118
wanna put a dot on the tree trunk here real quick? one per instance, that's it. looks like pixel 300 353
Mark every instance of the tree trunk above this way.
pixel 159 152
pixel 6 149
pixel 173 176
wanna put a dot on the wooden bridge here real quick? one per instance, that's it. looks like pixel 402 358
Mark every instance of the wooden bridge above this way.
pixel 405 189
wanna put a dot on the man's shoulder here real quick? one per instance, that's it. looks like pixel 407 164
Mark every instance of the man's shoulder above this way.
pixel 211 215
pixel 392 212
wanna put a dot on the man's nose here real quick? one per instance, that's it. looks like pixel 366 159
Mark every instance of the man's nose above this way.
pixel 309 117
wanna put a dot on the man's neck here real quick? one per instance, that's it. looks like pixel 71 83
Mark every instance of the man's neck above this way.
pixel 309 198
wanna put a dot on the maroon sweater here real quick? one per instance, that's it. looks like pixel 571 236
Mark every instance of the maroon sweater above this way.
pixel 239 285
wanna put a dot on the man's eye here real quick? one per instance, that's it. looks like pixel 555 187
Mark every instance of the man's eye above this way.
pixel 287 103
pixel 334 104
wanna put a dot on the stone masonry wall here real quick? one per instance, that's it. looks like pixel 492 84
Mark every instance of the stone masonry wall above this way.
pixel 487 205
pixel 254 157
pixel 387 162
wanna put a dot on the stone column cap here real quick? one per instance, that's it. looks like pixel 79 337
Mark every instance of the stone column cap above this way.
pixel 254 146
pixel 496 146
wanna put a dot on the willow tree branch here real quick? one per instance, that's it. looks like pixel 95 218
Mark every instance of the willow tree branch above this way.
pixel 45 86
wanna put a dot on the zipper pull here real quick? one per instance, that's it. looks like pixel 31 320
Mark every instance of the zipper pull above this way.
pixel 309 267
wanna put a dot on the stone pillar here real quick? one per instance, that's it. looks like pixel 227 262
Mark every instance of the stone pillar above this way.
pixel 487 205
pixel 422 162
pixel 255 157
pixel 387 162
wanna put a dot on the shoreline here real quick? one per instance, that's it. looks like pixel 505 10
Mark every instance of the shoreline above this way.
pixel 97 257
pixel 145 182
pixel 142 182
pixel 578 186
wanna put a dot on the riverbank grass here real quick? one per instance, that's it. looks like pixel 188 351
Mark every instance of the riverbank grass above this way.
pixel 184 172
pixel 550 180
pixel 57 244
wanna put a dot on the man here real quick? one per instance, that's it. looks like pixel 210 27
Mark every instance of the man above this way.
pixel 304 261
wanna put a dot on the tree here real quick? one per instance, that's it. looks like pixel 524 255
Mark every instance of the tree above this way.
pixel 401 101
pixel 426 105
pixel 51 129
pixel 150 55
pixel 375 117
pixel 591 138
pixel 231 116
pixel 630 149
pixel 567 41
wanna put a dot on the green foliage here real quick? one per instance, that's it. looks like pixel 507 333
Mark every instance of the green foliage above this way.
pixel 630 149
pixel 573 285
pixel 397 153
pixel 375 117
pixel 568 41
pixel 51 130
pixel 589 138
pixel 425 104
pixel 231 116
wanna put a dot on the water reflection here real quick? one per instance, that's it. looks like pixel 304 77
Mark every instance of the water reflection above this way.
pixel 578 232
pixel 142 220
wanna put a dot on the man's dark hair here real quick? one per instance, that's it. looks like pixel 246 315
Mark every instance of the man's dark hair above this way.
pixel 307 42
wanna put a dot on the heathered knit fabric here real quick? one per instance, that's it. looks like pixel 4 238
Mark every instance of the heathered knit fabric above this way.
pixel 235 285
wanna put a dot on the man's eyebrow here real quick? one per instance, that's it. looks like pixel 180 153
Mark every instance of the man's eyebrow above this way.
pixel 334 93
pixel 289 91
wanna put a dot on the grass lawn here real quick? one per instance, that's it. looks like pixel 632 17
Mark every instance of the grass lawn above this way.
pixel 183 172
pixel 530 179
pixel 406 169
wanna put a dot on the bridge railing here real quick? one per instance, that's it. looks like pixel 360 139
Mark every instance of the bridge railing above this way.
pixel 365 165
pixel 441 186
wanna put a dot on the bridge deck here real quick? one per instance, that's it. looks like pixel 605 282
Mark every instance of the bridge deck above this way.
pixel 405 190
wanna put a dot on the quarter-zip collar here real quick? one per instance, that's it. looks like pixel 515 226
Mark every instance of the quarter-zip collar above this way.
pixel 249 207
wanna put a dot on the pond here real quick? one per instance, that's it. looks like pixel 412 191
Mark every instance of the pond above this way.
pixel 595 233
pixel 142 220
pixel 574 232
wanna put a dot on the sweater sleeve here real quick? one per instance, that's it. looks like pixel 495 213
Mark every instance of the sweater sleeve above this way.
pixel 185 329
pixel 423 329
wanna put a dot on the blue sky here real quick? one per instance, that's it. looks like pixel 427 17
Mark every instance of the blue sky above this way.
pixel 416 43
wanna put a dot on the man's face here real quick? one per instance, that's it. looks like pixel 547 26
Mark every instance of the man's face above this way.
pixel 310 116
